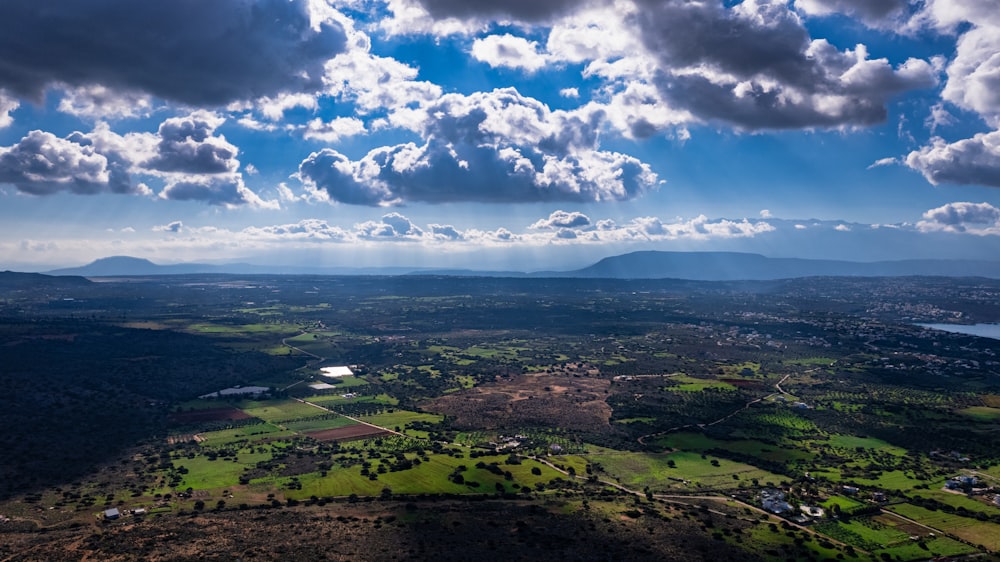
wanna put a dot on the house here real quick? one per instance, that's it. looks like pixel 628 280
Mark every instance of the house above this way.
pixel 960 482
pixel 774 501
pixel 851 489
pixel 112 514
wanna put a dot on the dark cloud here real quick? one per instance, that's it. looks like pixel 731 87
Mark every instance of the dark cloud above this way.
pixel 755 66
pixel 187 145
pixel 761 108
pixel 685 34
pixel 44 164
pixel 192 51
pixel 968 161
pixel 519 10
pixel 333 173
pixel 225 191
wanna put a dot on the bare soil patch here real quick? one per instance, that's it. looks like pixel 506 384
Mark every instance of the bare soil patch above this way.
pixel 567 401
pixel 346 433
pixel 742 383
pixel 213 414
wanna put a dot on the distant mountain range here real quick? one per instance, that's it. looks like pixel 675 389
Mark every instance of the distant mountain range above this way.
pixel 117 266
pixel 732 266
pixel 702 266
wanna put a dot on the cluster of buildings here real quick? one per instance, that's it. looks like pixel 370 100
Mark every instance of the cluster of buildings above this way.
pixel 114 513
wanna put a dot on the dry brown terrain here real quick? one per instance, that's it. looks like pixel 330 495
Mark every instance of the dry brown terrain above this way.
pixel 433 530
pixel 213 414
pixel 344 433
pixel 575 402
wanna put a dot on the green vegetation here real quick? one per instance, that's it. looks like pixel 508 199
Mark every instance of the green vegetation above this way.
pixel 279 410
pixel 981 413
pixel 691 384
pixel 520 394
pixel 882 536
pixel 982 533
pixel 254 432
pixel 684 470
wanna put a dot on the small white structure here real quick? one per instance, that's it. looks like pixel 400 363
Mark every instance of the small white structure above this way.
pixel 236 391
pixel 335 372
pixel 322 386
pixel 812 511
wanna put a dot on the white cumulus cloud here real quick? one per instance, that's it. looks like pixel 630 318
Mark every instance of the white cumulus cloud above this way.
pixel 968 161
pixel 962 217
pixel 509 51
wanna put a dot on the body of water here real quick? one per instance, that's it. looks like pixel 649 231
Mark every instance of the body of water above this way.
pixel 981 330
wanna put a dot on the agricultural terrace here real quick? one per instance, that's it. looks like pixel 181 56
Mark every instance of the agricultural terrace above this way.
pixel 983 533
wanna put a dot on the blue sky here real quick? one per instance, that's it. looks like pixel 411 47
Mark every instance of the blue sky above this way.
pixel 517 134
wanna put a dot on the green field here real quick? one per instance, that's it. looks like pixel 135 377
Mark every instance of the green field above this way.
pixel 812 362
pixel 846 504
pixel 318 423
pixel 279 410
pixel 981 413
pixel 243 329
pixel 889 480
pixel 879 536
pixel 690 441
pixel 690 470
pixel 958 500
pixel 254 432
pixel 343 384
pixel 977 532
pixel 429 477
pixel 399 418
pixel 206 474
pixel 687 383
pixel 329 400
pixel 635 420
pixel 853 442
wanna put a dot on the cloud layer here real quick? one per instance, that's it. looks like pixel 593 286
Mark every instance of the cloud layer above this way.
pixel 185 154
pixel 189 51
pixel 491 147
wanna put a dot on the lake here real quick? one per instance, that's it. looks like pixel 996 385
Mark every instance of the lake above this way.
pixel 981 330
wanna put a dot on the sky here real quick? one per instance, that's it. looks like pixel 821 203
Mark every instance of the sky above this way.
pixel 515 134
